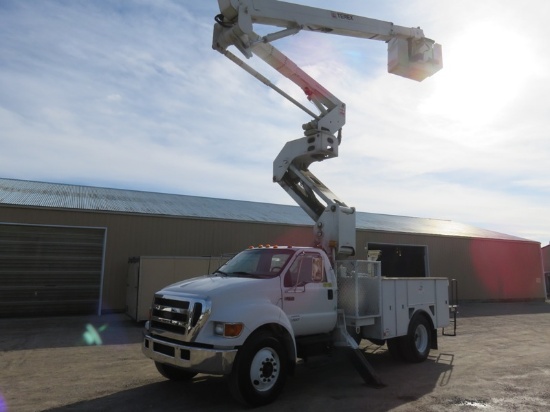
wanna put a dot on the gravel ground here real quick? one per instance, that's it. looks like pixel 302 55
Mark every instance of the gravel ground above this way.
pixel 499 361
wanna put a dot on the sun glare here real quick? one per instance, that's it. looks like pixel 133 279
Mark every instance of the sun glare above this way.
pixel 484 70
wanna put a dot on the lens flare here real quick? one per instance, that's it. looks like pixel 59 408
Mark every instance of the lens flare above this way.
pixel 3 404
pixel 92 336
pixel 506 270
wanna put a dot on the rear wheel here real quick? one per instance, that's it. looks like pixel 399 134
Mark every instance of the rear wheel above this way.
pixel 416 345
pixel 259 371
pixel 173 373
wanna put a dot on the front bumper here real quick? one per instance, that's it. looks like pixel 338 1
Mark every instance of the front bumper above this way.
pixel 201 360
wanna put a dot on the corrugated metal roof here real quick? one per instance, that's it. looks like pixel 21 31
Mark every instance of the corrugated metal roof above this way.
pixel 63 196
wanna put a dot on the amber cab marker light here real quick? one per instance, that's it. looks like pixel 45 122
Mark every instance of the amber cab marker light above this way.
pixel 232 330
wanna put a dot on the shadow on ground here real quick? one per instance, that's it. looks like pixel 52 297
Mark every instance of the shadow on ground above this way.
pixel 319 384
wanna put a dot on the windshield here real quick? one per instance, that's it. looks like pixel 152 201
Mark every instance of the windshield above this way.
pixel 262 263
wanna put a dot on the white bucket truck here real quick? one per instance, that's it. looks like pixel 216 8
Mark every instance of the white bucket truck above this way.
pixel 268 306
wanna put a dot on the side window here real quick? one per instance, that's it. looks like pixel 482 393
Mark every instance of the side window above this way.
pixel 305 269
pixel 318 272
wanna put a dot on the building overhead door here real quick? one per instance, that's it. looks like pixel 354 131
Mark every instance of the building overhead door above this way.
pixel 401 260
pixel 50 270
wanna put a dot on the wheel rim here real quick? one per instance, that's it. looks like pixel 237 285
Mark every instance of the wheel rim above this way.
pixel 265 369
pixel 421 338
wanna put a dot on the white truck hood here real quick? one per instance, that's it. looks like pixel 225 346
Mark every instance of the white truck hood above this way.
pixel 227 287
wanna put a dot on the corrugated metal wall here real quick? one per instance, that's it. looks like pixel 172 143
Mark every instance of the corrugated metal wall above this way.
pixel 486 269
pixel 50 270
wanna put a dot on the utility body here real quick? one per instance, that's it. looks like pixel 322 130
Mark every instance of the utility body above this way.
pixel 268 306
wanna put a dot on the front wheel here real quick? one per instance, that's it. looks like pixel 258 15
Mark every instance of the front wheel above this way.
pixel 259 371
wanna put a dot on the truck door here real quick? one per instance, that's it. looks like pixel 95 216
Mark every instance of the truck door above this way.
pixel 309 300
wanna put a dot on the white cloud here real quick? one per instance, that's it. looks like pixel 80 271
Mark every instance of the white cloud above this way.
pixel 133 96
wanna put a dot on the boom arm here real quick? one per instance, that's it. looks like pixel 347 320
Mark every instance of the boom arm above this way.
pixel 410 55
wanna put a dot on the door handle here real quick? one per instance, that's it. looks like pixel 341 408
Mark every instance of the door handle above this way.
pixel 330 294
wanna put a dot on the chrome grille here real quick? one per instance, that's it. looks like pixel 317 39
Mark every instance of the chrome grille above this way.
pixel 177 319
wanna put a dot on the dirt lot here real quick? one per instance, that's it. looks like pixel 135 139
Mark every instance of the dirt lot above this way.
pixel 499 361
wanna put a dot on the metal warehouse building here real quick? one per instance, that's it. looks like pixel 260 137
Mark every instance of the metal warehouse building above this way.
pixel 66 249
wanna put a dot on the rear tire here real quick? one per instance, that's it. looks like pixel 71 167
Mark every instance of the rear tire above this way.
pixel 416 345
pixel 260 369
pixel 173 373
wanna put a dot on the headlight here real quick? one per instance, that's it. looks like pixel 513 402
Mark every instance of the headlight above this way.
pixel 228 330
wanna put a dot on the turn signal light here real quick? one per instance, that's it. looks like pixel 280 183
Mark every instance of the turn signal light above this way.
pixel 232 330
pixel 228 330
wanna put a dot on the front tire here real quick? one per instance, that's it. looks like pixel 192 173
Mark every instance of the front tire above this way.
pixel 260 369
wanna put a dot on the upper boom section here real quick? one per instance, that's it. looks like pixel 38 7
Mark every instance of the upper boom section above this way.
pixel 282 14
pixel 410 54
pixel 415 56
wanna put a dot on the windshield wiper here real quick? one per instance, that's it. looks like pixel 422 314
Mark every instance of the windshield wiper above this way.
pixel 248 274
pixel 242 273
pixel 221 271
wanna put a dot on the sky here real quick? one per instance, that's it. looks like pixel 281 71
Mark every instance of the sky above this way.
pixel 130 95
